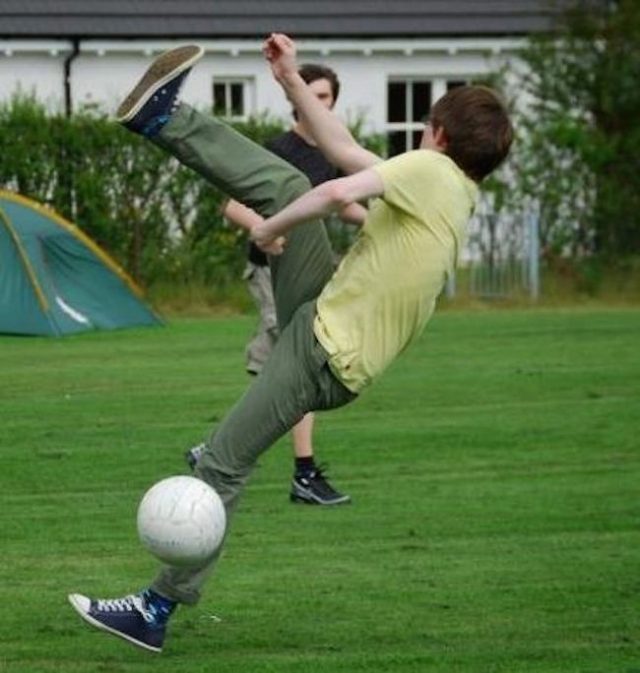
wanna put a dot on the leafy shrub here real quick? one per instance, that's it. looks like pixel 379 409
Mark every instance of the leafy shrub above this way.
pixel 158 219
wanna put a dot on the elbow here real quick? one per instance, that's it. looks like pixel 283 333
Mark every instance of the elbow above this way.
pixel 338 195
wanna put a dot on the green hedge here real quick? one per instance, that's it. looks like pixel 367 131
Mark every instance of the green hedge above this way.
pixel 160 220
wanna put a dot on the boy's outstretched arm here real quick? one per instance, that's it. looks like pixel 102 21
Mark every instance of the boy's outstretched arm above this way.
pixel 332 136
pixel 328 197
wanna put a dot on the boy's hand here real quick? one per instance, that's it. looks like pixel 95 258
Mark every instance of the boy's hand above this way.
pixel 266 243
pixel 280 51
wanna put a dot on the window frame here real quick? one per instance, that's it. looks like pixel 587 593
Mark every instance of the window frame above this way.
pixel 439 85
pixel 247 84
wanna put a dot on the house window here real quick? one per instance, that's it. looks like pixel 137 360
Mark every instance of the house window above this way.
pixel 408 104
pixel 232 98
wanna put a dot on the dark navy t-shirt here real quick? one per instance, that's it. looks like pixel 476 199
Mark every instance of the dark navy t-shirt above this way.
pixel 306 158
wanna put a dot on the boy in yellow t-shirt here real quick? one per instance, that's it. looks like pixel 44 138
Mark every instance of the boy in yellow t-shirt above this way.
pixel 339 330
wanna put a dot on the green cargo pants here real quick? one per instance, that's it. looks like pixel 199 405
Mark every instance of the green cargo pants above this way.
pixel 296 379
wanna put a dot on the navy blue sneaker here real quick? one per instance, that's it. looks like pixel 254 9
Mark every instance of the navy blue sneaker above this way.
pixel 153 100
pixel 131 618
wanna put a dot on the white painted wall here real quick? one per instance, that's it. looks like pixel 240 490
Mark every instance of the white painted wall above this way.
pixel 104 70
pixel 33 68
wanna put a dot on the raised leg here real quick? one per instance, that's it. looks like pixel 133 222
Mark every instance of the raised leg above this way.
pixel 254 176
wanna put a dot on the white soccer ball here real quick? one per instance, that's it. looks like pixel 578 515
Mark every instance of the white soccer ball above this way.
pixel 181 521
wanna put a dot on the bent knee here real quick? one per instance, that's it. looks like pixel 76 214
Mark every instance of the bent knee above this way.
pixel 293 187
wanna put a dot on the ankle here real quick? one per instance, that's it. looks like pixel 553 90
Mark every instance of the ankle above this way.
pixel 159 606
pixel 304 466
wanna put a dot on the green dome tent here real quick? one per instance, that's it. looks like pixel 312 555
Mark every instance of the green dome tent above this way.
pixel 54 280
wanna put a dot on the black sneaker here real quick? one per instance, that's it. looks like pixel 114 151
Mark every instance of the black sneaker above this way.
pixel 192 455
pixel 154 98
pixel 314 489
pixel 128 617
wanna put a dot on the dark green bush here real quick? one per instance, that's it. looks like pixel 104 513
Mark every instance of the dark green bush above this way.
pixel 158 219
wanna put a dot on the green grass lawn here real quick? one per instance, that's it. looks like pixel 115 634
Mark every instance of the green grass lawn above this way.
pixel 495 473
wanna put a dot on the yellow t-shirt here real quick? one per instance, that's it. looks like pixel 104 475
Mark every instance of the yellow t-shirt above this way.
pixel 384 291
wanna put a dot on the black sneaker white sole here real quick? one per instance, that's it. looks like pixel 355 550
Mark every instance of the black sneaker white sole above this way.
pixel 301 495
pixel 192 455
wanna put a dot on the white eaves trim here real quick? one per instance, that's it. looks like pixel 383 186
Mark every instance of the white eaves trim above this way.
pixel 52 47
pixel 408 47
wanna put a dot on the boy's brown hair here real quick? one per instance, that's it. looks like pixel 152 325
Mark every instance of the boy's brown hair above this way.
pixel 310 72
pixel 476 127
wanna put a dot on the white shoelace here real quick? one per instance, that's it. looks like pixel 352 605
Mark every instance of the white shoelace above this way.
pixel 126 604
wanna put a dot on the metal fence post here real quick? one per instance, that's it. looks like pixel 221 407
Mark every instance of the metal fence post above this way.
pixel 534 254
pixel 450 286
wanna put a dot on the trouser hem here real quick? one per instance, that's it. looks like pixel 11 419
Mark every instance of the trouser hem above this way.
pixel 183 597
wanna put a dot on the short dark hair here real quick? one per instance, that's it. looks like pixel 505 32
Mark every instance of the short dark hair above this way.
pixel 477 128
pixel 310 72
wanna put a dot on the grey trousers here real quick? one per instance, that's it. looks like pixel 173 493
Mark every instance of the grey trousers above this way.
pixel 259 348
pixel 296 379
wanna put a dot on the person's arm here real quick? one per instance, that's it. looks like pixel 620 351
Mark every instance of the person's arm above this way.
pixel 354 213
pixel 246 218
pixel 331 135
pixel 240 215
pixel 321 201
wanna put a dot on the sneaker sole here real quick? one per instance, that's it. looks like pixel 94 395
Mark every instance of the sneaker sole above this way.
pixel 165 68
pixel 304 499
pixel 102 627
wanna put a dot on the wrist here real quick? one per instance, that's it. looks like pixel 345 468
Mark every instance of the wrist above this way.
pixel 260 232
pixel 290 80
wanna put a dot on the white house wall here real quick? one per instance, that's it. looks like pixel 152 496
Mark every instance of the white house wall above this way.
pixel 33 67
pixel 103 71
